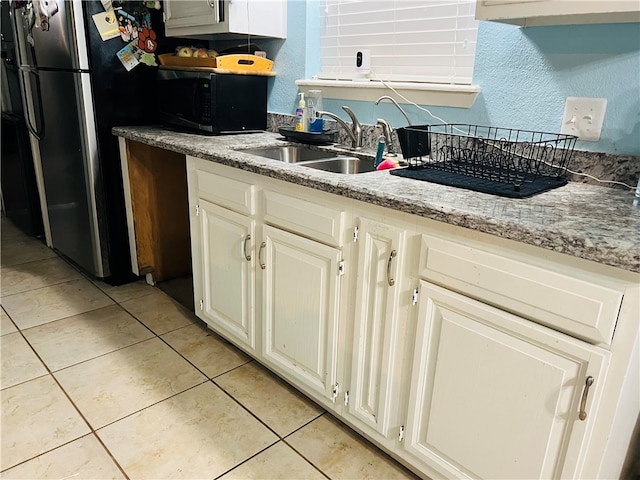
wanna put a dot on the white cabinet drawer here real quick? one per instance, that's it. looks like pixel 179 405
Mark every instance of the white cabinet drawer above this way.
pixel 310 219
pixel 227 192
pixel 569 303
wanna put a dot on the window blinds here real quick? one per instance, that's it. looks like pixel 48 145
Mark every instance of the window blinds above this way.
pixel 410 40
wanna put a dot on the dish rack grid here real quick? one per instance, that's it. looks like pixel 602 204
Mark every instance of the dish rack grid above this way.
pixel 504 161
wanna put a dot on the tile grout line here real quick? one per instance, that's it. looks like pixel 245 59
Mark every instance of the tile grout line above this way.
pixel 358 437
pixel 91 429
pixel 52 375
pixel 61 318
pixel 208 379
pixel 152 405
pixel 249 458
pixel 300 453
pixel 156 335
pixel 88 359
pixel 280 438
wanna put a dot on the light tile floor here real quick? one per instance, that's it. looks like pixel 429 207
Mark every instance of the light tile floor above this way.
pixel 123 382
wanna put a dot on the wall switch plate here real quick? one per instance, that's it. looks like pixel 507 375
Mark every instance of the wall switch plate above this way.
pixel 583 117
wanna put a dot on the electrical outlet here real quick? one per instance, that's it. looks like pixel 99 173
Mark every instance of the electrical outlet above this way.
pixel 583 117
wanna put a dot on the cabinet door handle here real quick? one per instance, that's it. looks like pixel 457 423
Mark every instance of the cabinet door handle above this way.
pixel 262 265
pixel 212 3
pixel 585 393
pixel 390 280
pixel 244 248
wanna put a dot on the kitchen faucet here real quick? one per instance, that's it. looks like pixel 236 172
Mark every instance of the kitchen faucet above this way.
pixel 355 131
pixel 392 100
pixel 387 131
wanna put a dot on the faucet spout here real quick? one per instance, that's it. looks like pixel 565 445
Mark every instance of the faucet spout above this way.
pixel 392 100
pixel 356 128
pixel 354 131
pixel 387 131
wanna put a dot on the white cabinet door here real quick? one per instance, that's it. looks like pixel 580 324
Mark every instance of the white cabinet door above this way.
pixel 531 13
pixel 495 396
pixel 181 13
pixel 227 269
pixel 376 354
pixel 300 314
pixel 258 17
pixel 201 18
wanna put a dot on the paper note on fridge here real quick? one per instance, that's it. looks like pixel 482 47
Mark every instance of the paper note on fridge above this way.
pixel 107 25
pixel 130 55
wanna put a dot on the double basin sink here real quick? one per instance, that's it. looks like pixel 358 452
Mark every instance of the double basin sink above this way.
pixel 318 159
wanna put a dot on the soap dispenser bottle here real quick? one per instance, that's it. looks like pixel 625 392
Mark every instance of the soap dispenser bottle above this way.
pixel 302 123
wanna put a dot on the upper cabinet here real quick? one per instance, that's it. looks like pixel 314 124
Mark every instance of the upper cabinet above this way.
pixel 202 18
pixel 530 13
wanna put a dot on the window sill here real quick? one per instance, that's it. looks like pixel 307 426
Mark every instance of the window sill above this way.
pixel 460 96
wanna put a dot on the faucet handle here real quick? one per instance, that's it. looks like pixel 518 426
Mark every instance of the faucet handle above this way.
pixel 352 115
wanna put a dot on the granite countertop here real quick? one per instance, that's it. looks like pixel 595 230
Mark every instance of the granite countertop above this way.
pixel 590 222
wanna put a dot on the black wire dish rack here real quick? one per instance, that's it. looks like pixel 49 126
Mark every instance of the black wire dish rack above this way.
pixel 500 161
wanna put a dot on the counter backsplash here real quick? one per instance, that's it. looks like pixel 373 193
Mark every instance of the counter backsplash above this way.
pixel 605 166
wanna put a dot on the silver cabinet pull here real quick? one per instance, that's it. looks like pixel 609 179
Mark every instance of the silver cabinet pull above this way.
pixel 244 248
pixel 211 3
pixel 390 280
pixel 583 403
pixel 262 265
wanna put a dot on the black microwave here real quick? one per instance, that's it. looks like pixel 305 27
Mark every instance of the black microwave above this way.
pixel 212 102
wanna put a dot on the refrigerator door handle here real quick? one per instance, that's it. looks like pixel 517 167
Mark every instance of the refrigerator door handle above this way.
pixel 37 104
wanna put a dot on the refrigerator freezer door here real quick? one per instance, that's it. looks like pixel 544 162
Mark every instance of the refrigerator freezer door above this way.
pixel 63 46
pixel 73 184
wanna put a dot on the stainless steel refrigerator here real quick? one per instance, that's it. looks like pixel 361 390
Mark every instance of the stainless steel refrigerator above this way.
pixel 76 90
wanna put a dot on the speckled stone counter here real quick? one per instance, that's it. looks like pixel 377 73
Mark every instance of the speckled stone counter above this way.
pixel 591 222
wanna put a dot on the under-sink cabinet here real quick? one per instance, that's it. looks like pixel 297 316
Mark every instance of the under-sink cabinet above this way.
pixel 247 238
pixel 301 308
pixel 302 267
pixel 461 354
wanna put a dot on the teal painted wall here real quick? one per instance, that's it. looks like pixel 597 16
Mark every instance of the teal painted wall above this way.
pixel 524 75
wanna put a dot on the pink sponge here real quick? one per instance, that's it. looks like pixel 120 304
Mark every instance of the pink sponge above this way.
pixel 387 164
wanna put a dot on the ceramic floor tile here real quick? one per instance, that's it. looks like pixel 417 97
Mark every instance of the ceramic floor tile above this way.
pixel 270 399
pixel 29 309
pixel 32 275
pixel 84 458
pixel 6 325
pixel 28 250
pixel 19 362
pixel 341 454
pixel 39 417
pixel 119 383
pixel 159 312
pixel 128 291
pixel 9 233
pixel 81 337
pixel 211 354
pixel 276 462
pixel 200 433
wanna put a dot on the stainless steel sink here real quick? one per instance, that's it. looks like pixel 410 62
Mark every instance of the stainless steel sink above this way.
pixel 318 159
pixel 291 153
pixel 348 165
